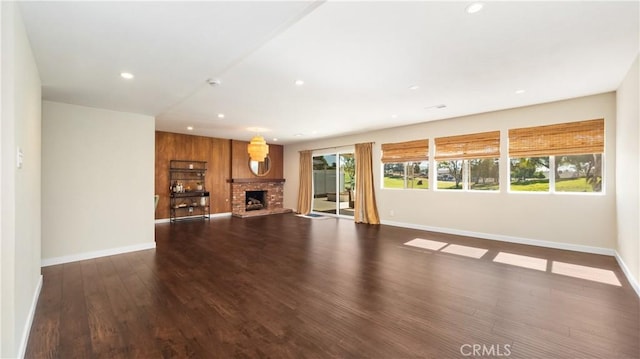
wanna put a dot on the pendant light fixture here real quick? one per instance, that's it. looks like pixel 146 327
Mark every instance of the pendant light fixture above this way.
pixel 258 148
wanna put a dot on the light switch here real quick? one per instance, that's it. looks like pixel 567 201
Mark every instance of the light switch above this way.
pixel 19 157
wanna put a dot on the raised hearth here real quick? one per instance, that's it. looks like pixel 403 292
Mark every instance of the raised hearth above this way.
pixel 244 197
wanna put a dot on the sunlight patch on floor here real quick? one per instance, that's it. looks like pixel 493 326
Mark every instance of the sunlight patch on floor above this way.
pixel 521 261
pixel 540 264
pixel 584 272
pixel 465 251
pixel 426 244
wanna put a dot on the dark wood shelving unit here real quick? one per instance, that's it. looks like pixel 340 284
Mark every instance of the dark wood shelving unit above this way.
pixel 189 198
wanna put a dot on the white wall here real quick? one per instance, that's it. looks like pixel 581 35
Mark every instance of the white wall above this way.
pixel 582 220
pixel 97 182
pixel 628 171
pixel 20 194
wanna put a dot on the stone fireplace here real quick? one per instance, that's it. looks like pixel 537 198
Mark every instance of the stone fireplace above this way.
pixel 257 197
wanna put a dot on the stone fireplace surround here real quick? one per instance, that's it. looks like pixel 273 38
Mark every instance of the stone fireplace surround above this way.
pixel 274 196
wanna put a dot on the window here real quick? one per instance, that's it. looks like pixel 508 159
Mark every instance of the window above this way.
pixel 484 174
pixel 530 174
pixel 469 162
pixel 578 173
pixel 394 175
pixel 450 174
pixel 406 175
pixel 565 157
pixel 417 175
pixel 405 164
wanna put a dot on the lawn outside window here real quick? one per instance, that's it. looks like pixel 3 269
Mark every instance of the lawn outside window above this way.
pixel 530 174
pixel 406 175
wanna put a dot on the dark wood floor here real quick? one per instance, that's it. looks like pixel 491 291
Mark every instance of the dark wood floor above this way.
pixel 283 286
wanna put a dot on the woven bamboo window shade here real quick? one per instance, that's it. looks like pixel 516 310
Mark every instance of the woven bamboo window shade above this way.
pixel 571 138
pixel 410 151
pixel 477 145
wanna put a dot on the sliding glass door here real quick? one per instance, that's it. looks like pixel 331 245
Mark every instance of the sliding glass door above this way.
pixel 334 183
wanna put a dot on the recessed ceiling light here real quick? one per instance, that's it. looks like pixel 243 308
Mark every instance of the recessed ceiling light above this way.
pixel 394 116
pixel 519 92
pixel 414 87
pixel 221 115
pixel 275 139
pixel 126 75
pixel 298 135
pixel 474 7
pixel 190 128
pixel 299 82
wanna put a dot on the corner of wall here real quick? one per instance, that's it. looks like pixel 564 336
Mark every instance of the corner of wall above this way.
pixel 627 173
pixel 21 197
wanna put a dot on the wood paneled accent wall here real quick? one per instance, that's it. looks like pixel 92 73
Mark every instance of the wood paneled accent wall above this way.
pixel 226 159
pixel 217 153
pixel 240 162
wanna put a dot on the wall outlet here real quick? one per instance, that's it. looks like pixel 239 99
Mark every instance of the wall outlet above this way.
pixel 392 213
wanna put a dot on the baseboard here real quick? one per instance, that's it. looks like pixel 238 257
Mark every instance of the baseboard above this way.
pixel 632 280
pixel 510 239
pixel 214 215
pixel 96 254
pixel 27 326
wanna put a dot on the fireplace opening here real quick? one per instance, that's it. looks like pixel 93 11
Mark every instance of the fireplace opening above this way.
pixel 255 200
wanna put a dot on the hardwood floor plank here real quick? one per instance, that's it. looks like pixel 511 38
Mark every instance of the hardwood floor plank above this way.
pixel 151 320
pixel 106 332
pixel 75 340
pixel 283 286
pixel 45 330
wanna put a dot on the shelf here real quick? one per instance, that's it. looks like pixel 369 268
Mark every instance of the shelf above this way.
pixel 187 170
pixel 255 180
pixel 187 166
pixel 188 161
pixel 188 174
pixel 190 194
pixel 190 218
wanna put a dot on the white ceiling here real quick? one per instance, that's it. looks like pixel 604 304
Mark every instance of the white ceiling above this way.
pixel 357 59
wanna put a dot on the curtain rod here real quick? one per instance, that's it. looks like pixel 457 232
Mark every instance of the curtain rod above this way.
pixel 332 147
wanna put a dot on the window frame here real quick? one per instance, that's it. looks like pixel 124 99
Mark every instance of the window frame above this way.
pixel 405 176
pixel 466 177
pixel 580 137
pixel 404 153
pixel 465 148
pixel 583 138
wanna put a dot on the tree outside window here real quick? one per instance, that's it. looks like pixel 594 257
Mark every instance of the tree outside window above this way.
pixel 484 174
